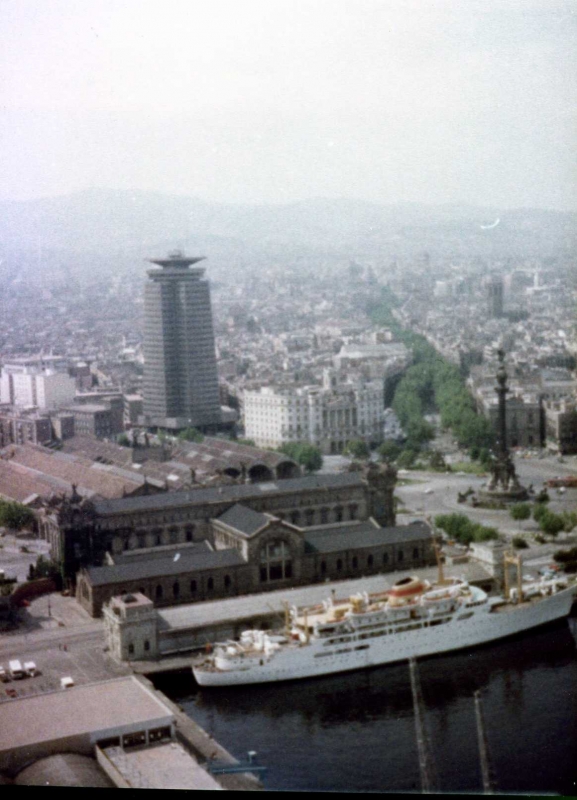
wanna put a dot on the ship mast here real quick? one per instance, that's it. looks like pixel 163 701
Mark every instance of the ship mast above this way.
pixel 426 764
pixel 436 548
pixel 512 560
pixel 486 767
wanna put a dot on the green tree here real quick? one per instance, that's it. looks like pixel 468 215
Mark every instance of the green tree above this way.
pixel 551 523
pixel 389 451
pixel 191 435
pixel 406 459
pixel 520 511
pixel 539 510
pixel 15 515
pixel 437 461
pixel 306 455
pixel 519 543
pixel 45 568
pixel 464 530
pixel 570 520
pixel 358 449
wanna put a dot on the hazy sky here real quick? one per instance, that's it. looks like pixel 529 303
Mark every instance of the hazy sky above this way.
pixel 466 101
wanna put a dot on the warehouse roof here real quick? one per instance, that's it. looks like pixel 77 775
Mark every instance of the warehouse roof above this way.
pixel 244 519
pixel 330 540
pixel 116 703
pixel 235 492
pixel 61 470
pixel 196 560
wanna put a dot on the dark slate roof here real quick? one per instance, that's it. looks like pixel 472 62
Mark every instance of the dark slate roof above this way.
pixel 244 519
pixel 236 492
pixel 158 567
pixel 351 537
pixel 134 556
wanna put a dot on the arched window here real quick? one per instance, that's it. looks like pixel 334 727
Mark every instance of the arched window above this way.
pixel 141 540
pixel 339 513
pixel 309 517
pixel 324 516
pixel 189 532
pixel 369 561
pixel 159 592
pixel 176 589
pixel 131 649
pixel 296 517
pixel 355 562
pixel 141 590
pixel 323 567
pixel 192 587
pixel 353 510
pixel 147 645
pixel 173 534
pixel 385 558
pixel 275 561
pixel 339 565
pixel 415 553
pixel 400 555
pixel 227 581
pixel 210 584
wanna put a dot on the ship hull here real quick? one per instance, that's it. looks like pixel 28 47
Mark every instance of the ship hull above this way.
pixel 362 652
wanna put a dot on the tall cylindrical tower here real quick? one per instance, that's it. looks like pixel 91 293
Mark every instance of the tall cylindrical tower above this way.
pixel 180 375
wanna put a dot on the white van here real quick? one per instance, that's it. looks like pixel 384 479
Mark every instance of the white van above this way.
pixel 66 683
pixel 30 668
pixel 16 670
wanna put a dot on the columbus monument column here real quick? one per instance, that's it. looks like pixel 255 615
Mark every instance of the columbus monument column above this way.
pixel 503 485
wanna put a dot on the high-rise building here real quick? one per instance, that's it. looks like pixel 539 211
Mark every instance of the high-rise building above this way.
pixel 495 296
pixel 28 382
pixel 180 377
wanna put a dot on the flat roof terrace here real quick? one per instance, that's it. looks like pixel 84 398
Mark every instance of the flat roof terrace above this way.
pixel 163 766
pixel 75 719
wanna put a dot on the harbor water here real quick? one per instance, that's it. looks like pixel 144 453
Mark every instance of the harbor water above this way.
pixel 356 732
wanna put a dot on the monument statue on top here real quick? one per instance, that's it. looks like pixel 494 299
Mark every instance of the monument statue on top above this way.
pixel 503 484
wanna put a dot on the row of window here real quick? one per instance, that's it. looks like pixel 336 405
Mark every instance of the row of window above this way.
pixel 177 590
pixel 370 560
pixel 309 517
pixel 156 538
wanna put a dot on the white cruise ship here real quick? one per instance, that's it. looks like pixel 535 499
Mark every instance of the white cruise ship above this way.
pixel 412 619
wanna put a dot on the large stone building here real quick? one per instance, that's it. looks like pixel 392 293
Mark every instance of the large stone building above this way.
pixel 561 426
pixel 329 417
pixel 82 531
pixel 256 552
pixel 180 375
pixel 231 539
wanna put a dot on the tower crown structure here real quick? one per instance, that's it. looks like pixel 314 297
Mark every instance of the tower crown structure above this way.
pixel 180 375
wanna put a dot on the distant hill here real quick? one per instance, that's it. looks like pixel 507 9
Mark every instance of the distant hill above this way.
pixel 123 227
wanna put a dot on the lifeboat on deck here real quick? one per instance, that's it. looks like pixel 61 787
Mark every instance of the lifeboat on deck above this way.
pixel 405 590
